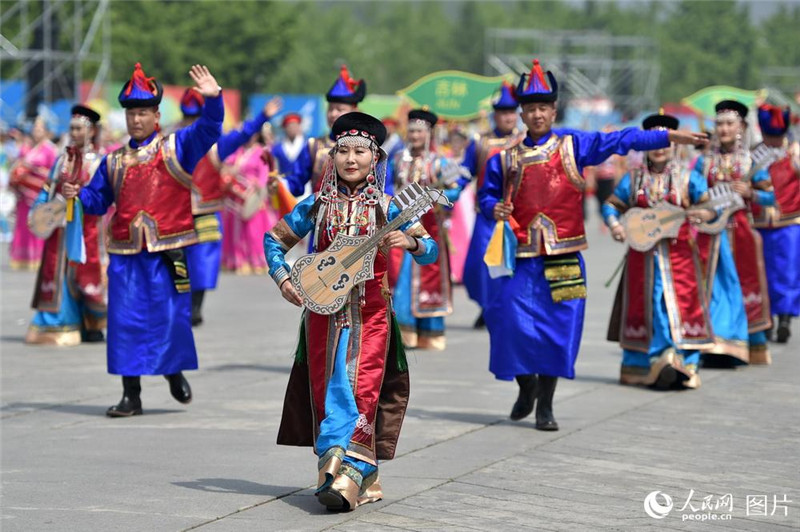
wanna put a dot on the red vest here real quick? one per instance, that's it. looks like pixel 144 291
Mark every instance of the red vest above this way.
pixel 786 182
pixel 153 197
pixel 547 193
pixel 207 191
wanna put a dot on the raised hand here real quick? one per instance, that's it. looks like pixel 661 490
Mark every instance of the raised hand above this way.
pixel 273 107
pixel 204 82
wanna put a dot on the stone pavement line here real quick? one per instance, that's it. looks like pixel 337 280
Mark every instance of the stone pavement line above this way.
pixel 357 514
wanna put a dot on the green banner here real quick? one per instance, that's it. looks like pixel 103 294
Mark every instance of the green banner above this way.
pixel 704 100
pixel 452 94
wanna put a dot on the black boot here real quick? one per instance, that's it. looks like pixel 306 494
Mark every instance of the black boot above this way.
pixel 131 404
pixel 197 304
pixel 527 396
pixel 784 332
pixel 544 405
pixel 179 388
pixel 480 323
pixel 92 336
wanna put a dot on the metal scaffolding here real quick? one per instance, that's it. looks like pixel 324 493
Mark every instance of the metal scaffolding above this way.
pixel 587 64
pixel 51 45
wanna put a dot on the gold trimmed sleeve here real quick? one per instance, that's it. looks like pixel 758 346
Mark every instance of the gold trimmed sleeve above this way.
pixel 284 235
pixel 567 150
pixel 617 203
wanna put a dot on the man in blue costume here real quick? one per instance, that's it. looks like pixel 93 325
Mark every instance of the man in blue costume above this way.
pixel 779 224
pixel 149 180
pixel 203 259
pixel 535 320
pixel 343 97
pixel 480 149
pixel 288 150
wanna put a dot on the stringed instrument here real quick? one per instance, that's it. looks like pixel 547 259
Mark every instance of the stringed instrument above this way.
pixel 324 280
pixel 56 211
pixel 645 227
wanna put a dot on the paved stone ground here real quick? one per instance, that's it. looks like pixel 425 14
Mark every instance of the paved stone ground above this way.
pixel 461 465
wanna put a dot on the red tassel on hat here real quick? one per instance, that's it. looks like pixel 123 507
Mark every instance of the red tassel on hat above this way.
pixel 345 75
pixel 776 117
pixel 537 71
pixel 140 80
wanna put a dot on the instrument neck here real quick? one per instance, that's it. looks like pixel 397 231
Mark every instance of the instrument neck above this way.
pixel 376 237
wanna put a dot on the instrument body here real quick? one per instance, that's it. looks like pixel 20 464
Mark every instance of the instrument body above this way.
pixel 645 227
pixel 47 217
pixel 324 280
pixel 56 211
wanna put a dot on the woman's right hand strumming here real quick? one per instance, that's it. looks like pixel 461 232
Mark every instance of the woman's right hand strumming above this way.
pixel 618 232
pixel 290 294
pixel 70 190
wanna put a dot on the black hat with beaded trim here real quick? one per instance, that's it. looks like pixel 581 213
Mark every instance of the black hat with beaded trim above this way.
pixel 90 114
pixel 732 105
pixel 660 120
pixel 359 124
pixel 423 114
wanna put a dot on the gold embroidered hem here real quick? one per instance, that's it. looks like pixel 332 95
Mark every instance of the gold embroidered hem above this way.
pixel 436 342
pixel 329 465
pixel 26 265
pixel 731 348
pixel 668 366
pixel 759 355
pixel 371 490
pixel 59 336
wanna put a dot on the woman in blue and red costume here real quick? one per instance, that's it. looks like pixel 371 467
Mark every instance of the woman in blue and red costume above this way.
pixel 343 97
pixel 149 181
pixel 204 258
pixel 423 295
pixel 70 296
pixel 779 224
pixel 729 161
pixel 504 135
pixel 535 321
pixel 348 389
pixel 664 319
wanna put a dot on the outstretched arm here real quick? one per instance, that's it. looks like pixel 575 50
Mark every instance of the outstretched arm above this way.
pixel 231 141
pixel 194 141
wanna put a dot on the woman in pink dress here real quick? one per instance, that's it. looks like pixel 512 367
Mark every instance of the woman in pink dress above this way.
pixel 247 175
pixel 28 175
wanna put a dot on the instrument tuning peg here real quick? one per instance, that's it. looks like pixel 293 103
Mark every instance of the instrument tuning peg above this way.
pixel 438 197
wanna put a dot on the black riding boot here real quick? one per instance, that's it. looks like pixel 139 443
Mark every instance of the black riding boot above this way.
pixel 179 388
pixel 480 323
pixel 527 397
pixel 544 405
pixel 784 324
pixel 197 306
pixel 131 403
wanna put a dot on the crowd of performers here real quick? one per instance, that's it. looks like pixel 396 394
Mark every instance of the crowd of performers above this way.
pixel 149 224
